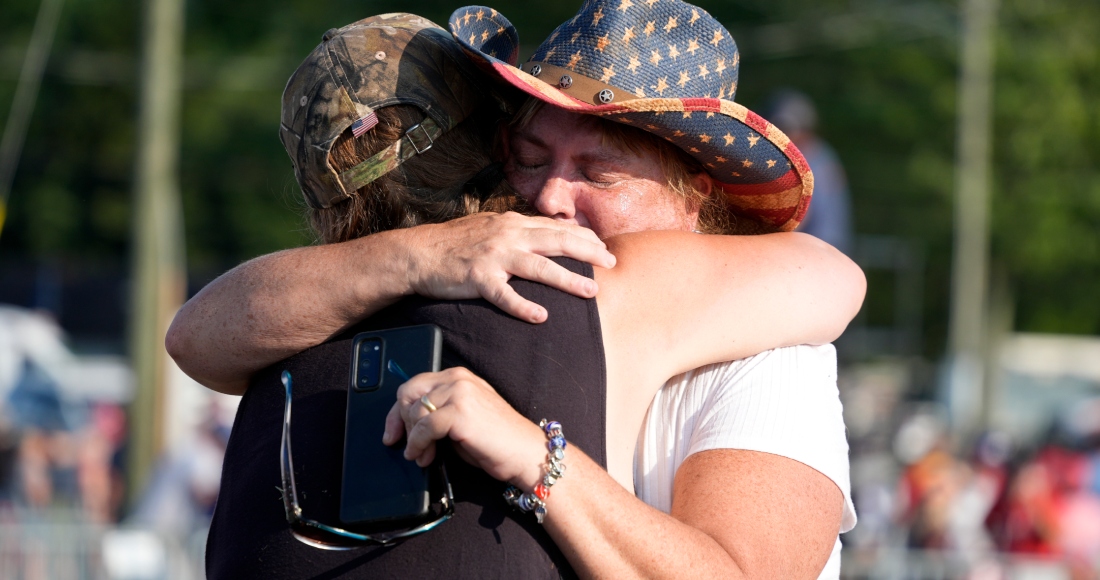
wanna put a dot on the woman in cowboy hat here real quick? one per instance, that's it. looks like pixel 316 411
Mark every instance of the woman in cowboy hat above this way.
pixel 313 117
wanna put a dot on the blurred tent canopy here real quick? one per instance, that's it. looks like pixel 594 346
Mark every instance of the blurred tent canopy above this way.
pixel 882 73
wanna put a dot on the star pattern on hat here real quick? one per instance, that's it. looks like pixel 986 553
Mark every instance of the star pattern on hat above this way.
pixel 672 69
pixel 573 60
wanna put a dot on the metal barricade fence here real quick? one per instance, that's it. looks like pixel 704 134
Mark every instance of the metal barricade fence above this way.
pixel 49 547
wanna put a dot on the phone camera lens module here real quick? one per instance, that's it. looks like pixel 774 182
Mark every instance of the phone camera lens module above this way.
pixel 368 367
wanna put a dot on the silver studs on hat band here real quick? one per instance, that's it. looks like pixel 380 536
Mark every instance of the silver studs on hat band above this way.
pixel 536 70
pixel 606 96
pixel 565 82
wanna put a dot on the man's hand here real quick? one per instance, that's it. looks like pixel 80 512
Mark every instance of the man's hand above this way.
pixel 475 257
pixel 280 304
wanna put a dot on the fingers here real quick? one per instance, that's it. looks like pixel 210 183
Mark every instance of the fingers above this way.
pixel 571 241
pixel 424 427
pixel 504 297
pixel 546 271
pixel 395 425
pixel 420 446
pixel 549 237
pixel 408 409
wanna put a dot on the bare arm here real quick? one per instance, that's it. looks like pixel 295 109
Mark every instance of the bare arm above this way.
pixel 735 513
pixel 686 300
pixel 277 305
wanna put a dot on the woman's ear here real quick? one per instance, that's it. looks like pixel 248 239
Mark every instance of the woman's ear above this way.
pixel 703 183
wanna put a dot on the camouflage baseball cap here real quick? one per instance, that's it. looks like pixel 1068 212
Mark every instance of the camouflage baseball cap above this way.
pixel 390 59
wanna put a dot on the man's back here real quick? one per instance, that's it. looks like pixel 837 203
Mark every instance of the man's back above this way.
pixel 553 370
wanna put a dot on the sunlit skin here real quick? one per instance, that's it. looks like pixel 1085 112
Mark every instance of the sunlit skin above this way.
pixel 560 165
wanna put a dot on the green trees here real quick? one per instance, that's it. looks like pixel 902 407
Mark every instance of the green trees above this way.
pixel 883 74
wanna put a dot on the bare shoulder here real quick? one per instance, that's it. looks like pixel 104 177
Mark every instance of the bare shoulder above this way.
pixel 777 517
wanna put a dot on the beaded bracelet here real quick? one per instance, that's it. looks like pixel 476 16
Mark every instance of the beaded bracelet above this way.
pixel 555 469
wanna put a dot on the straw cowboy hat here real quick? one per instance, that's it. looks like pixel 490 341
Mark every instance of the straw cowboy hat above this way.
pixel 663 66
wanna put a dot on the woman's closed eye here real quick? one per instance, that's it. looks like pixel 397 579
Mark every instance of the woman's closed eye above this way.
pixel 528 164
pixel 599 178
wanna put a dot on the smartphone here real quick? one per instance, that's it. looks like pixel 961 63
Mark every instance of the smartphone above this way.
pixel 381 489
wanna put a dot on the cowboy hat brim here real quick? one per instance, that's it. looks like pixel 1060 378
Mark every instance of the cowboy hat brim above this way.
pixel 761 172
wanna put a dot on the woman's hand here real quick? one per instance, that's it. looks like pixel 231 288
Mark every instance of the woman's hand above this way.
pixel 475 256
pixel 486 431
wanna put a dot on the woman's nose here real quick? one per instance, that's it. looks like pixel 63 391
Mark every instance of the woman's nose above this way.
pixel 556 199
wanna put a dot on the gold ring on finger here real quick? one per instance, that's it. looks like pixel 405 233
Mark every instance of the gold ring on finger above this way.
pixel 428 404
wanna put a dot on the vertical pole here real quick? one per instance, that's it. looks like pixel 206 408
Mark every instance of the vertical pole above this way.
pixel 970 273
pixel 26 93
pixel 158 260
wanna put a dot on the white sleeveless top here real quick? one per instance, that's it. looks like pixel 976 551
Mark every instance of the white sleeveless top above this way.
pixel 783 401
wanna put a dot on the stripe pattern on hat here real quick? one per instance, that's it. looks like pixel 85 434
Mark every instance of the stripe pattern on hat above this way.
pixel 663 66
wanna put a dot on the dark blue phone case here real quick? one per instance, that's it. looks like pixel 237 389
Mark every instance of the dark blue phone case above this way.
pixel 381 489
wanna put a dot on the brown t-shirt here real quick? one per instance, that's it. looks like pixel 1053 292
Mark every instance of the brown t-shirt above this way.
pixel 555 370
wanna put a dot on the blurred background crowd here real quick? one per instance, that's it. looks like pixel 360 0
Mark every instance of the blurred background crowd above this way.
pixel 956 152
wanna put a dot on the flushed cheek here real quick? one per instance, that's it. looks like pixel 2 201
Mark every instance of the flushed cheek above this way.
pixel 616 214
pixel 630 198
pixel 624 203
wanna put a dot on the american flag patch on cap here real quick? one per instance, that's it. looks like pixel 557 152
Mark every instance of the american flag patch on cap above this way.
pixel 364 124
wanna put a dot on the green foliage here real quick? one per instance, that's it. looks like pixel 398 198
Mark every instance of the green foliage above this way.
pixel 1047 200
pixel 887 104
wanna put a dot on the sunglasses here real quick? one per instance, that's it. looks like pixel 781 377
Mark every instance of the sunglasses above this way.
pixel 326 537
